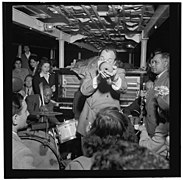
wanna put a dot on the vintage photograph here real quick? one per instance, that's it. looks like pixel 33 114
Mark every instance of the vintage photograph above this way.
pixel 87 87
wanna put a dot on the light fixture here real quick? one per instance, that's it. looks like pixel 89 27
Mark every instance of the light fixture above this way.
pixel 48 27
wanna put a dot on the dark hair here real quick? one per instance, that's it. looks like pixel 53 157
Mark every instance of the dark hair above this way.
pixel 16 103
pixel 125 155
pixel 34 56
pixel 109 122
pixel 43 61
pixel 29 75
pixel 16 59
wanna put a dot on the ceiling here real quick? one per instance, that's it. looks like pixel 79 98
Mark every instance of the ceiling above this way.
pixel 94 25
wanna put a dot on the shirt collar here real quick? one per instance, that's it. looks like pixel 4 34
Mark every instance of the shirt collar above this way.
pixel 158 76
pixel 42 74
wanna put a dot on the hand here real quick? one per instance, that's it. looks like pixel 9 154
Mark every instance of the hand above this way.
pixel 53 88
pixel 43 109
pixel 142 127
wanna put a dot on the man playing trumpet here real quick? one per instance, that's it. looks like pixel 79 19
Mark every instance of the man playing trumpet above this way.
pixel 102 86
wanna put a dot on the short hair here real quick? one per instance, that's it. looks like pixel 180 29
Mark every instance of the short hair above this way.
pixel 29 75
pixel 125 155
pixel 108 48
pixel 16 103
pixel 165 55
pixel 109 122
pixel 46 87
pixel 43 61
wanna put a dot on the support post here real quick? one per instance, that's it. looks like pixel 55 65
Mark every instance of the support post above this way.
pixel 143 53
pixel 130 58
pixel 79 55
pixel 19 51
pixel 61 53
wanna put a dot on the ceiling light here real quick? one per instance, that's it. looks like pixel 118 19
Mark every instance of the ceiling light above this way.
pixel 48 27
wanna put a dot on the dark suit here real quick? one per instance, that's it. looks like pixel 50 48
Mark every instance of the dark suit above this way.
pixel 33 106
pixel 25 62
pixel 37 80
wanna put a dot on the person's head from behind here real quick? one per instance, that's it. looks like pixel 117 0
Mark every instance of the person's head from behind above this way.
pixel 28 81
pixel 125 155
pixel 160 62
pixel 17 63
pixel 110 121
pixel 19 112
pixel 109 126
pixel 47 94
pixel 108 54
pixel 34 61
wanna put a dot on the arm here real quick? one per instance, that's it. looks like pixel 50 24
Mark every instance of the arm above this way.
pixel 157 141
pixel 35 84
pixel 90 84
pixel 119 82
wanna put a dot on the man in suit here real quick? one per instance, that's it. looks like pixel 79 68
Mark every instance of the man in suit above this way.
pixel 35 105
pixel 102 88
pixel 25 58
pixel 155 103
pixel 22 157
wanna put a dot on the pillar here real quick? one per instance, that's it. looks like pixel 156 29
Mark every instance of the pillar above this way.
pixel 61 53
pixel 51 54
pixel 19 51
pixel 143 53
pixel 130 58
pixel 79 55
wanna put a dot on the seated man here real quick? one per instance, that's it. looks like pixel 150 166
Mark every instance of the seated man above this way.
pixel 35 107
pixel 22 157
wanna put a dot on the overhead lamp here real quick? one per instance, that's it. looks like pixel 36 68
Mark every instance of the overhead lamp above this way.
pixel 48 27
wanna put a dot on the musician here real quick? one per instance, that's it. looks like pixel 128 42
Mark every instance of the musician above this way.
pixel 159 66
pixel 102 86
pixel 35 106
pixel 22 157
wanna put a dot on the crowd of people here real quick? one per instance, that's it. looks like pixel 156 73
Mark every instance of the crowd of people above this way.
pixel 108 137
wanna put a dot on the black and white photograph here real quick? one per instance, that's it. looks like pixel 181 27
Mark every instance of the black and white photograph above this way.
pixel 91 86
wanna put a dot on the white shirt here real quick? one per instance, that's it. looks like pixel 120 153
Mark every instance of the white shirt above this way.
pixel 46 76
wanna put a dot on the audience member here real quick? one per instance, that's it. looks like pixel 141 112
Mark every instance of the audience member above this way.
pixel 126 155
pixel 44 76
pixel 22 157
pixel 102 85
pixel 18 71
pixel 110 125
pixel 159 66
pixel 25 57
pixel 34 62
pixel 27 89
pixel 35 105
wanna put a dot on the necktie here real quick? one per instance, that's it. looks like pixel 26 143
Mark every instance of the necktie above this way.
pixel 28 92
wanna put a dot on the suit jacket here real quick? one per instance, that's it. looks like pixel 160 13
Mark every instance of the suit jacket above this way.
pixel 153 103
pixel 99 98
pixel 22 157
pixel 33 106
pixel 25 62
pixel 37 80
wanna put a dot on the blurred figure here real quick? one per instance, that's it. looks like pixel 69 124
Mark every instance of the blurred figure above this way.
pixel 102 85
pixel 25 57
pixel 22 157
pixel 109 126
pixel 27 88
pixel 34 62
pixel 125 155
pixel 18 71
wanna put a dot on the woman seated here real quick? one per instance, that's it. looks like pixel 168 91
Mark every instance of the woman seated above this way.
pixel 110 125
pixel 18 71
